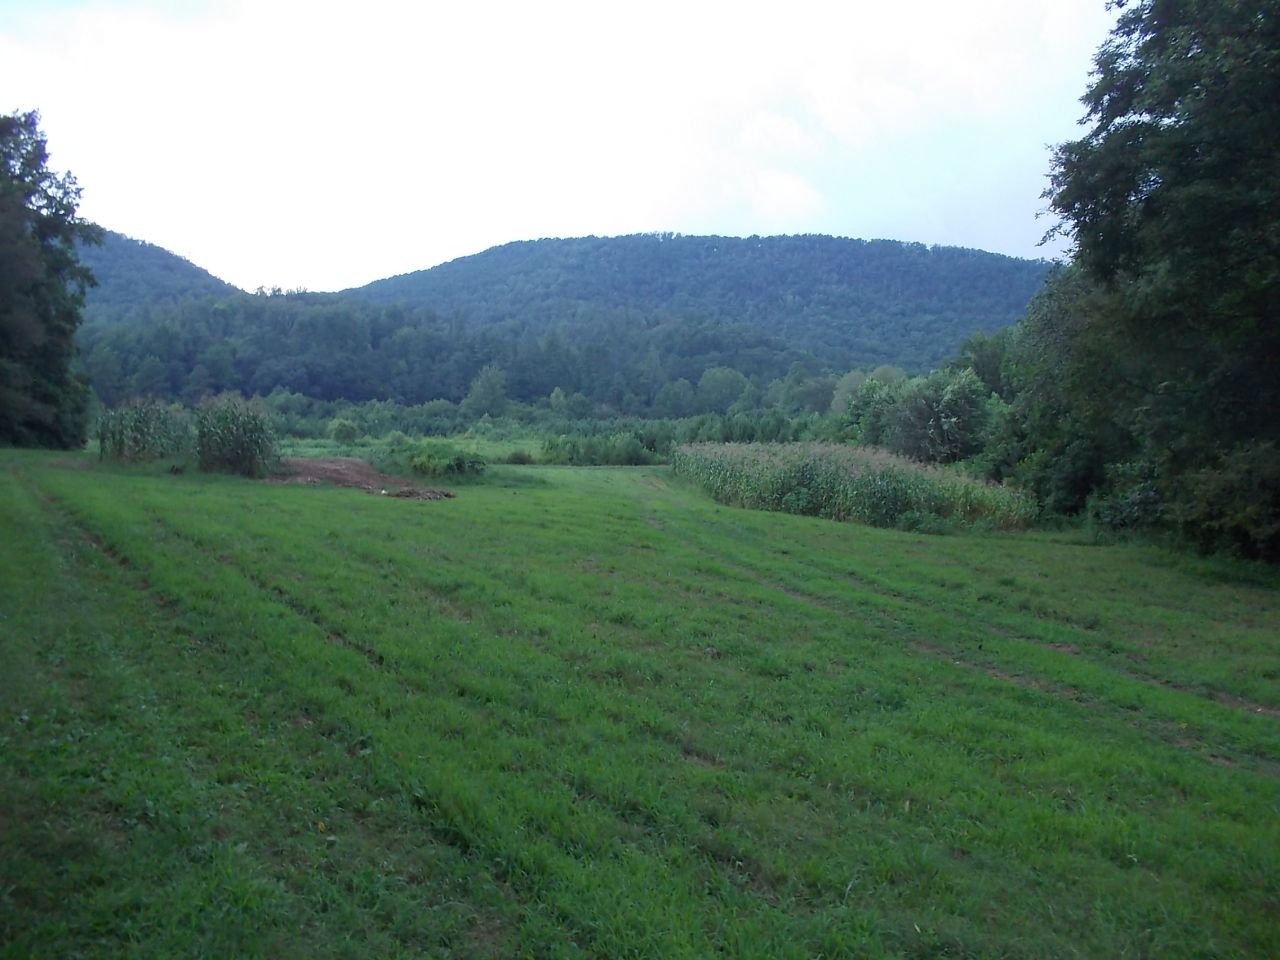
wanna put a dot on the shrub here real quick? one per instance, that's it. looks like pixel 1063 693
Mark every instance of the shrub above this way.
pixel 1234 504
pixel 434 459
pixel 1131 499
pixel 234 436
pixel 623 449
pixel 343 431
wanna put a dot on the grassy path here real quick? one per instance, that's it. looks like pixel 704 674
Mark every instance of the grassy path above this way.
pixel 589 713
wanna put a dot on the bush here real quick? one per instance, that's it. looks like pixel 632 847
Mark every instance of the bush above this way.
pixel 1131 500
pixel 615 449
pixel 445 460
pixel 344 431
pixel 234 436
pixel 1233 504
pixel 144 430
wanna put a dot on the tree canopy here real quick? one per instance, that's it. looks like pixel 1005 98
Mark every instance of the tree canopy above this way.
pixel 613 321
pixel 42 284
pixel 1172 200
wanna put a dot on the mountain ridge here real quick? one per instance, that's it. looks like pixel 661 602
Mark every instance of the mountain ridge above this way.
pixel 614 318
pixel 132 273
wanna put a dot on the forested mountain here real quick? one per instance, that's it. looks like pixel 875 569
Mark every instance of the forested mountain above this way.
pixel 846 302
pixel 134 275
pixel 617 320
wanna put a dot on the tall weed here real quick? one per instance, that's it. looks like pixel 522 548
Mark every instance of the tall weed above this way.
pixel 848 483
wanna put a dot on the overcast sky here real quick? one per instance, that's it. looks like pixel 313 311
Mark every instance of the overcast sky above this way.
pixel 324 145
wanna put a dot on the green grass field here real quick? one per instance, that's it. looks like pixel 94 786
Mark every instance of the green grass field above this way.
pixel 590 713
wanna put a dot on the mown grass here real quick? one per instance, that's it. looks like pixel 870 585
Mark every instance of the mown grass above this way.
pixel 601 716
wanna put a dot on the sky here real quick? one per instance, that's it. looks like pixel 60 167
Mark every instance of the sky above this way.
pixel 305 144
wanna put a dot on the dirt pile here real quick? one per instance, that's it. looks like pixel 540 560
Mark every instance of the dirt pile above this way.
pixel 354 473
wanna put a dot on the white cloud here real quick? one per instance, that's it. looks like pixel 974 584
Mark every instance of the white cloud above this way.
pixel 326 144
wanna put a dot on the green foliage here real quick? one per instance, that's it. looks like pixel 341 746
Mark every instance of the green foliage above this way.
pixel 42 284
pixel 623 449
pixel 234 436
pixel 1172 199
pixel 675 399
pixel 847 483
pixel 940 418
pixel 487 396
pixel 989 356
pixel 587 317
pixel 144 430
pixel 1074 395
pixel 889 375
pixel 846 388
pixel 1129 500
pixel 343 430
pixel 720 388
pixel 870 408
pixel 847 302
pixel 1232 503
pixel 433 458
pixel 136 278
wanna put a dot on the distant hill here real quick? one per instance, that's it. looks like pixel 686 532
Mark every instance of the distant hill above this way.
pixel 623 321
pixel 133 275
pixel 847 302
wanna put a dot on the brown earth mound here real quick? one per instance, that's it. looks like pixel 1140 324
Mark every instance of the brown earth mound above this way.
pixel 354 473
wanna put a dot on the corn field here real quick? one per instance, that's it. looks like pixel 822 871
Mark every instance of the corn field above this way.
pixel 144 430
pixel 234 436
pixel 862 484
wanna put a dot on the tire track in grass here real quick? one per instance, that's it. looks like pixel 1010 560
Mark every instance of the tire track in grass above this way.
pixel 628 810
pixel 1118 693
pixel 455 819
pixel 305 611
pixel 645 820
pixel 1013 593
pixel 569 855
pixel 342 732
pixel 173 669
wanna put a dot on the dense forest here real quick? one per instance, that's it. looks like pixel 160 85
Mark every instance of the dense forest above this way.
pixel 136 279
pixel 616 320
pixel 1143 385
pixel 848 302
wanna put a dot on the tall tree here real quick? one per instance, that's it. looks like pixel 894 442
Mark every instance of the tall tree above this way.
pixel 1172 199
pixel 42 284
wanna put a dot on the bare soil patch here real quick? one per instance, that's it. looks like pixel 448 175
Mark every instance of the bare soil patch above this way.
pixel 353 473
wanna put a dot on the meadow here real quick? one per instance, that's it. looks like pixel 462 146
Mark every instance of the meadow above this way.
pixel 589 712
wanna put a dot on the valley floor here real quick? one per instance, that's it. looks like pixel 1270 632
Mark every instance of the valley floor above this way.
pixel 579 712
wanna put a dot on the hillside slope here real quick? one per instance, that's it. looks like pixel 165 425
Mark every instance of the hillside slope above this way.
pixel 614 319
pixel 845 301
pixel 133 275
